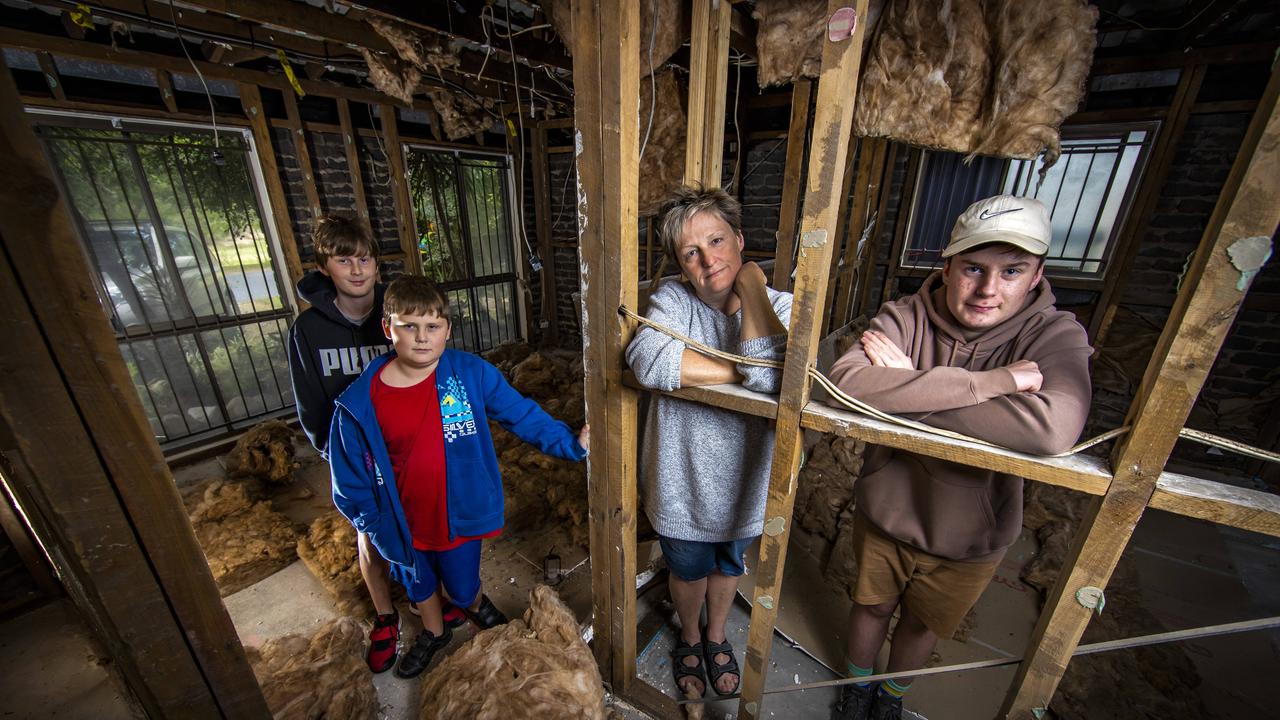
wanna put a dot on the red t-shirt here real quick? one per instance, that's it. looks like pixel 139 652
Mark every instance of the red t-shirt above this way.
pixel 410 421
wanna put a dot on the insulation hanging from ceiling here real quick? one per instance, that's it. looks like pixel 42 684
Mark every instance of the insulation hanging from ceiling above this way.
pixel 460 115
pixel 399 76
pixel 667 35
pixel 992 77
pixel 392 77
pixel 662 165
pixel 789 39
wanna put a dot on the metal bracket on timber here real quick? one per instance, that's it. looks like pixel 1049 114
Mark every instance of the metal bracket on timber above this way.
pixel 828 154
pixel 1211 295
pixel 606 84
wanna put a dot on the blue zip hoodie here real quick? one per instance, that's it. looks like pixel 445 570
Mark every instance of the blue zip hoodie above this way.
pixel 471 391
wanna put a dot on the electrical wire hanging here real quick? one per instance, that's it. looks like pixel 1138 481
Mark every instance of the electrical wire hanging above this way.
pixel 213 113
pixel 653 82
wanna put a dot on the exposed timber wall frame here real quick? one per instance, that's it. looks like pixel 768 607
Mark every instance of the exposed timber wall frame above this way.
pixel 79 455
pixel 606 84
pixel 251 100
pixel 792 181
pixel 823 199
pixel 406 223
pixel 1236 243
pixel 542 223
pixel 708 92
pixel 1238 233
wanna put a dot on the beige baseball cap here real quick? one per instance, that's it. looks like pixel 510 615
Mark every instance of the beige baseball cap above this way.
pixel 1019 221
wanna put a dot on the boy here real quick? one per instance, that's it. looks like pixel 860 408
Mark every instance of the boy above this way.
pixel 413 462
pixel 329 344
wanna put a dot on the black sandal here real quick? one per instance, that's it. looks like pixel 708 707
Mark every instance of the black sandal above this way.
pixel 681 671
pixel 718 670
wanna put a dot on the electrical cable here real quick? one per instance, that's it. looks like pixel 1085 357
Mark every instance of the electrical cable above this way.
pixel 213 113
pixel 653 82
pixel 515 79
pixel 737 129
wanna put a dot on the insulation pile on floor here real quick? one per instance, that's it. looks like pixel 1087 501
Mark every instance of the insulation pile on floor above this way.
pixel 533 667
pixel 329 552
pixel 264 452
pixel 1156 681
pixel 323 676
pixel 244 541
pixel 539 487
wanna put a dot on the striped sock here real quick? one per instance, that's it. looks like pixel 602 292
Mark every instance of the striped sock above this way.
pixel 893 689
pixel 854 671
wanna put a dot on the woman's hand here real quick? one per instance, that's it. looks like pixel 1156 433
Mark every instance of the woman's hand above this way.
pixel 749 276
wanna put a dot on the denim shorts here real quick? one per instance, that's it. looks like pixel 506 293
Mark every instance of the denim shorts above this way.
pixel 457 569
pixel 692 560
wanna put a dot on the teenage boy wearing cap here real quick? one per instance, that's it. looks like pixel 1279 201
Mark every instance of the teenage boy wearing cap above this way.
pixel 980 350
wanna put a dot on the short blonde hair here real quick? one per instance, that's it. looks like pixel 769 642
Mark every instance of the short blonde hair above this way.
pixel 686 201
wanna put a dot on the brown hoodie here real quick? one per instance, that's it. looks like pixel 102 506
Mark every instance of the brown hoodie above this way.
pixel 941 507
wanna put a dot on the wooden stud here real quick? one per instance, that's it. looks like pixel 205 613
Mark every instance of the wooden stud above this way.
pixel 792 182
pixel 831 135
pixel 841 241
pixel 251 101
pixel 1238 233
pixel 864 194
pixel 350 143
pixel 51 77
pixel 907 201
pixel 81 457
pixel 400 189
pixel 708 82
pixel 542 219
pixel 1168 137
pixel 303 153
pixel 164 81
pixel 606 71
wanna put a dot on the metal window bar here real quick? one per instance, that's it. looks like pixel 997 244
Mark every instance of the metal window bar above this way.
pixel 465 240
pixel 155 192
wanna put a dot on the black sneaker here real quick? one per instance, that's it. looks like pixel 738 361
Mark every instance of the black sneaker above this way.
pixel 487 615
pixel 855 702
pixel 886 707
pixel 424 648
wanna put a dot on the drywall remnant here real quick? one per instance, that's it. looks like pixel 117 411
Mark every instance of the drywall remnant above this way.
pixel 789 39
pixel 1248 255
pixel 244 541
pixel 536 666
pixel 264 452
pixel 317 677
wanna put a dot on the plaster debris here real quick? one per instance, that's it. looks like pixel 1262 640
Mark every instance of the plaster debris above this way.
pixel 1248 255
pixel 244 541
pixel 264 452
pixel 323 676
pixel 533 667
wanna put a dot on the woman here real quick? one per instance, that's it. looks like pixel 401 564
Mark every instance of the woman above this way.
pixel 704 471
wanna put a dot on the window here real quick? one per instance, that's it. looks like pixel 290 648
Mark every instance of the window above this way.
pixel 183 268
pixel 1087 192
pixel 462 209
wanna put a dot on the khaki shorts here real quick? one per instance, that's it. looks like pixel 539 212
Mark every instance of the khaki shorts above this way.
pixel 936 590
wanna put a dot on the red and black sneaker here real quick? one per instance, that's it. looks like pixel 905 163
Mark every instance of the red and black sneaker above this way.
pixel 453 615
pixel 384 640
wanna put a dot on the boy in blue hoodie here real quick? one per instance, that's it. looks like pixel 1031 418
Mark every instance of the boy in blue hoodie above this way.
pixel 329 345
pixel 413 464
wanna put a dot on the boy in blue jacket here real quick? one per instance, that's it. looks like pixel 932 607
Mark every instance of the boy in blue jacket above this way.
pixel 413 464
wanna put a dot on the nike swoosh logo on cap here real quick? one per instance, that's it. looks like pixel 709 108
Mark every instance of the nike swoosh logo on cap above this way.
pixel 987 214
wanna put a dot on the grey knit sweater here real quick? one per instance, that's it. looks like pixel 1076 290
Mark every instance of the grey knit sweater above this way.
pixel 704 471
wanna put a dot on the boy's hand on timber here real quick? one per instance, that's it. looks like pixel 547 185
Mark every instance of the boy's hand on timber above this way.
pixel 584 438
pixel 1026 373
pixel 883 352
